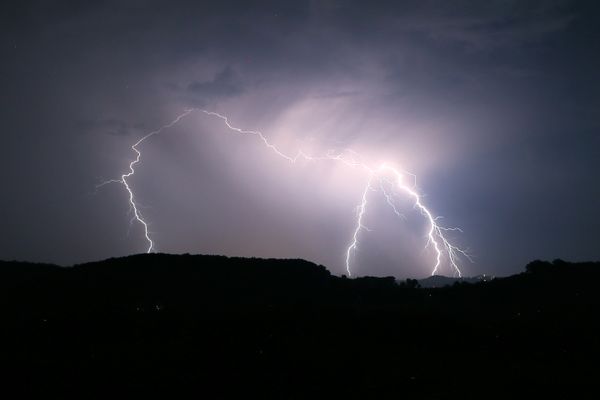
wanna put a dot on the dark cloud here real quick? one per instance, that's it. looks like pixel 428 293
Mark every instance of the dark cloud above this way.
pixel 225 84
pixel 110 126
pixel 485 27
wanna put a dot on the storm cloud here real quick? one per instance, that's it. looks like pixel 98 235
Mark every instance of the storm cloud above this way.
pixel 493 105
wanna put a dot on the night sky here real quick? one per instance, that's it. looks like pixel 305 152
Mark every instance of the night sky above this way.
pixel 493 105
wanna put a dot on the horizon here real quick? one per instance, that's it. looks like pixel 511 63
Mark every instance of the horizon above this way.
pixel 287 259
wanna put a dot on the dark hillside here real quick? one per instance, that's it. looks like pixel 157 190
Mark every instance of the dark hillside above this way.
pixel 231 327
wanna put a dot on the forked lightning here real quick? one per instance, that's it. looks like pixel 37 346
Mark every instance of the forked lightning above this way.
pixel 378 178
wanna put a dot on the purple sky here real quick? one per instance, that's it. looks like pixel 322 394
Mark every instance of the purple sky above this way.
pixel 493 105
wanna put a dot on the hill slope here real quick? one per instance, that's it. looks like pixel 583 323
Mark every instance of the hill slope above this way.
pixel 159 324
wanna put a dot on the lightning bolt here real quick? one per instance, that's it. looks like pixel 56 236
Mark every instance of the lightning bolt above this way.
pixel 136 212
pixel 383 174
pixel 361 209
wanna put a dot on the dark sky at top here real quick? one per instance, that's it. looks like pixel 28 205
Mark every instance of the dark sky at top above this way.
pixel 494 105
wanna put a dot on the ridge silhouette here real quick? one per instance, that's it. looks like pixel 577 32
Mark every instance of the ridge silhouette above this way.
pixel 159 324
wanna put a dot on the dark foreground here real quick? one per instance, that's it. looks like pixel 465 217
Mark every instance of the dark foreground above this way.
pixel 245 328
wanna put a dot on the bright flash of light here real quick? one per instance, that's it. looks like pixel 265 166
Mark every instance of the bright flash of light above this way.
pixel 383 174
